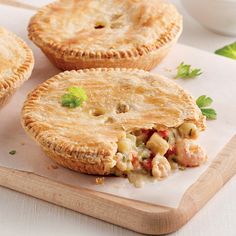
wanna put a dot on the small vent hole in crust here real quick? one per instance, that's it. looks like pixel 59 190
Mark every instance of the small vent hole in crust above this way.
pixel 97 112
pixel 110 120
pixel 99 25
pixel 122 108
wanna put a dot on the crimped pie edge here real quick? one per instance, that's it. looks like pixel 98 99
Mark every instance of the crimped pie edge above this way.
pixel 22 73
pixel 79 159
pixel 173 32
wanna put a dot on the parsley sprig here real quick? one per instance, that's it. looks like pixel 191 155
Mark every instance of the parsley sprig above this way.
pixel 203 103
pixel 185 71
pixel 228 51
pixel 74 98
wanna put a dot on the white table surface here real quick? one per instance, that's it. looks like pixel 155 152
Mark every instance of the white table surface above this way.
pixel 24 215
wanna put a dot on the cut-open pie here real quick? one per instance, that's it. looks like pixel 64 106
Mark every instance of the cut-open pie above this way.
pixel 111 33
pixel 16 63
pixel 132 122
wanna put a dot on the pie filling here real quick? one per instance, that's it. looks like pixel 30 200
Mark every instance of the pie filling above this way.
pixel 153 153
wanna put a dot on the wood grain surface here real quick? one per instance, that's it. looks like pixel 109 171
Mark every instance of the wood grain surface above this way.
pixel 137 216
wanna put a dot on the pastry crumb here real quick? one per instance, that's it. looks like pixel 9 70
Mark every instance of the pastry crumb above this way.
pixel 52 167
pixel 168 69
pixel 182 167
pixel 22 143
pixel 100 180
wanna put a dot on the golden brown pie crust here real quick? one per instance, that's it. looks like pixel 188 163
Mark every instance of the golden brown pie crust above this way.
pixel 85 138
pixel 17 61
pixel 151 28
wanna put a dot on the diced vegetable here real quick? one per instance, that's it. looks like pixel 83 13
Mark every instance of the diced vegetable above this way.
pixel 135 162
pixel 188 130
pixel 131 137
pixel 164 133
pixel 144 153
pixel 157 144
pixel 121 165
pixel 171 153
pixel 147 164
pixel 125 145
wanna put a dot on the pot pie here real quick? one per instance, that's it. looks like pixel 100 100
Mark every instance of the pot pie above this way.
pixel 133 122
pixel 16 63
pixel 80 34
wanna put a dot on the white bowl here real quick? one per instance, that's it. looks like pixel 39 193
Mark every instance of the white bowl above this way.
pixel 216 15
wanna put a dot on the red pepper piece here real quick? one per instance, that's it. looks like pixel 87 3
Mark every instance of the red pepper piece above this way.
pixel 171 152
pixel 148 132
pixel 135 161
pixel 147 164
pixel 163 133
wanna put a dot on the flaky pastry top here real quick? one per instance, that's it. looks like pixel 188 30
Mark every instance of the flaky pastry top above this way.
pixel 12 55
pixel 16 62
pixel 119 101
pixel 93 25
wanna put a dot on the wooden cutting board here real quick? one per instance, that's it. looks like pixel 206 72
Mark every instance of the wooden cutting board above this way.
pixel 138 216
pixel 134 215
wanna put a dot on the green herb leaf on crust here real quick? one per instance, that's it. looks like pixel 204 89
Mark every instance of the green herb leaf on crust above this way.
pixel 71 101
pixel 74 98
pixel 78 92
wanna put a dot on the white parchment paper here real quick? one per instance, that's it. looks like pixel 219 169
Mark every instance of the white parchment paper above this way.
pixel 218 81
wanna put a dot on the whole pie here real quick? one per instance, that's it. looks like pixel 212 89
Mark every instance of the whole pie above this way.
pixel 16 63
pixel 110 33
pixel 115 121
